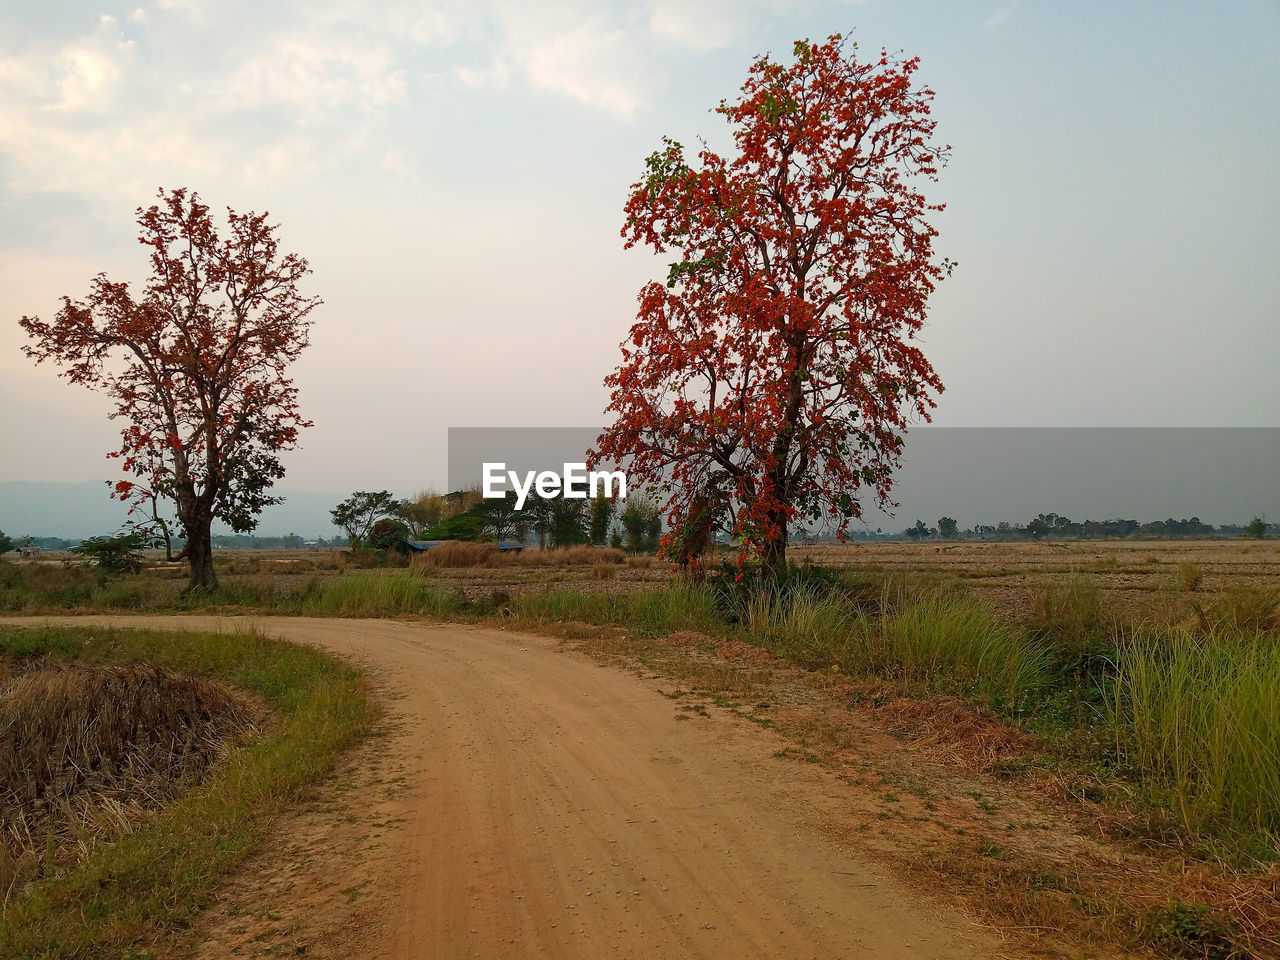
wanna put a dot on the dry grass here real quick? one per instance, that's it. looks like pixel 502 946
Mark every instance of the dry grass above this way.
pixel 82 745
pixel 1190 577
pixel 126 887
pixel 462 554
pixel 958 731
pixel 1242 609
pixel 571 556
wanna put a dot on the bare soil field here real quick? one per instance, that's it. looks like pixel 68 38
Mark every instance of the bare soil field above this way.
pixel 1159 581
pixel 1142 580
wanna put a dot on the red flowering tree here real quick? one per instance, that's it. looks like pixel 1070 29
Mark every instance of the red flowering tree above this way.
pixel 196 364
pixel 771 378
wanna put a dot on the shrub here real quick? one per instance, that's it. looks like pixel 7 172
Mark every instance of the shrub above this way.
pixel 119 554
pixel 465 526
pixel 1256 528
pixel 387 534
pixel 1191 930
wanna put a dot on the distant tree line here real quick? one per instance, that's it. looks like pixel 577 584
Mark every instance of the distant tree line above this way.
pixel 377 520
pixel 1054 526
pixel 239 541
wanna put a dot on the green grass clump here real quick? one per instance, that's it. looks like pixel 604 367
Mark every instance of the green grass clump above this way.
pixel 944 640
pixel 1201 714
pixel 656 612
pixel 678 606
pixel 135 891
pixel 47 587
pixel 371 594
pixel 1242 609
pixel 561 606
pixel 812 628
pixel 954 639
pixel 1071 616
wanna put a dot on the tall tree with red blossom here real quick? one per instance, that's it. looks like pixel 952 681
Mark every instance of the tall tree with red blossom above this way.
pixel 196 363
pixel 770 379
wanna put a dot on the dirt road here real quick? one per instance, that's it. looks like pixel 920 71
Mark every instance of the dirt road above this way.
pixel 546 806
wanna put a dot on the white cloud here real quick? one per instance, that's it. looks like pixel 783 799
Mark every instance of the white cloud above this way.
pixel 1001 15
pixel 394 162
pixel 702 25
pixel 497 76
pixel 316 79
pixel 594 65
pixel 169 93
pixel 81 75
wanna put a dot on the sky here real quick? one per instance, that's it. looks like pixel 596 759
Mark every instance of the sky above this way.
pixel 455 174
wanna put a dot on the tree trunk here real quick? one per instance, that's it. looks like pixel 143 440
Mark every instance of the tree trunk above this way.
pixel 775 554
pixel 200 557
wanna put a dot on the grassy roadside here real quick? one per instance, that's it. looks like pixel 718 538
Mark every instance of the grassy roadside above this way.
pixel 1190 717
pixel 1035 840
pixel 131 894
pixel 1167 737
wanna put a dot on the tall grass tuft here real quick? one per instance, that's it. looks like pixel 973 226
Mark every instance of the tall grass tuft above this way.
pixel 814 629
pixel 955 638
pixel 655 612
pixel 379 595
pixel 556 606
pixel 1202 715
pixel 1071 615
pixel 1243 609
pixel 678 606
pixel 1190 577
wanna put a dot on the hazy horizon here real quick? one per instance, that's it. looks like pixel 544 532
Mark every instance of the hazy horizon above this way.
pixel 974 475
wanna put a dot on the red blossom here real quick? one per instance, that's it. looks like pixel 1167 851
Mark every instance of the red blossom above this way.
pixel 771 377
pixel 195 362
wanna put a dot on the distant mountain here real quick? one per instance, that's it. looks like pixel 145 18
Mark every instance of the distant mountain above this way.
pixel 78 510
